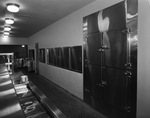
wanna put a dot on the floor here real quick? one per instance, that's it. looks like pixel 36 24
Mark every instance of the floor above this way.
pixel 70 105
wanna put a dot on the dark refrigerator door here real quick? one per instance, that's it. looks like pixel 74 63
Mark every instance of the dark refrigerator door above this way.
pixel 117 92
pixel 107 89
pixel 115 49
pixel 92 76
pixel 93 49
pixel 92 81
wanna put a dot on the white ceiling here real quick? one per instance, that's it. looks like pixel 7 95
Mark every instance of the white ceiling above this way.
pixel 35 15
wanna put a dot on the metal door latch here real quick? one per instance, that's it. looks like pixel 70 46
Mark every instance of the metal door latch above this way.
pixel 128 74
pixel 102 84
pixel 128 66
pixel 127 108
pixel 103 48
pixel 127 31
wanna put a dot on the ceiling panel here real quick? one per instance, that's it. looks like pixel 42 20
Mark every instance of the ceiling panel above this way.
pixel 35 15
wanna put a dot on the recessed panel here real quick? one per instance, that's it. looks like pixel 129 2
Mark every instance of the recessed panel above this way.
pixel 42 55
pixel 65 55
pixel 59 57
pixel 76 58
pixel 51 56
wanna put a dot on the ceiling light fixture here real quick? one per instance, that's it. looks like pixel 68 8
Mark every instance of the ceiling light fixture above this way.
pixel 9 20
pixel 5 36
pixel 7 28
pixel 23 46
pixel 13 7
pixel 6 33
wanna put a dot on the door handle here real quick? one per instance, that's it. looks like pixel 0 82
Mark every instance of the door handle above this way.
pixel 102 84
pixel 86 62
pixel 104 47
pixel 128 74
pixel 128 66
pixel 126 108
pixel 101 50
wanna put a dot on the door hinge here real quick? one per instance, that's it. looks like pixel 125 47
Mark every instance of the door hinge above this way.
pixel 127 108
pixel 128 66
pixel 127 30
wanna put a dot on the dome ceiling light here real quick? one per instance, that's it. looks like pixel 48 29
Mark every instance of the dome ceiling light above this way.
pixel 5 36
pixel 13 7
pixel 7 28
pixel 6 33
pixel 9 21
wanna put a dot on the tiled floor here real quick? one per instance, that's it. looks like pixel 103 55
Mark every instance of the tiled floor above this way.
pixel 71 106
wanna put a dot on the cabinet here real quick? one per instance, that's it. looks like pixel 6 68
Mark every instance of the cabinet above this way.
pixel 110 56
